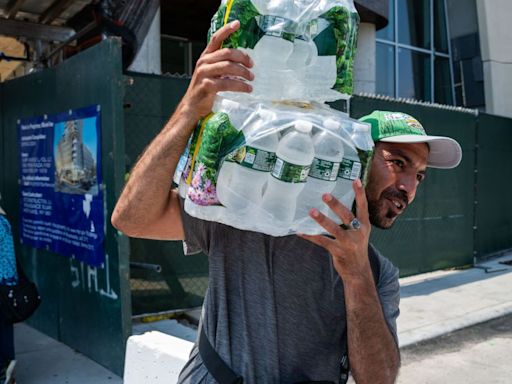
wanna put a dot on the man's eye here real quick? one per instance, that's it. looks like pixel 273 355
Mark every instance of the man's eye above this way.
pixel 398 163
pixel 420 177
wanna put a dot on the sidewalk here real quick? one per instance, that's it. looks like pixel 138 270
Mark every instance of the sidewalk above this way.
pixel 437 303
pixel 432 304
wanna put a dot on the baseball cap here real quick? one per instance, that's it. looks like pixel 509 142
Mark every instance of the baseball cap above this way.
pixel 398 127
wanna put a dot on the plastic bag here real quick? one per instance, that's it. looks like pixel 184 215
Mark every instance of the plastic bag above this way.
pixel 261 166
pixel 307 45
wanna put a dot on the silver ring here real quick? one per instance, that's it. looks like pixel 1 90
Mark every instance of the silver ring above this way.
pixel 355 223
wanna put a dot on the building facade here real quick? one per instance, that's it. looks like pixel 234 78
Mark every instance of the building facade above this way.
pixel 452 52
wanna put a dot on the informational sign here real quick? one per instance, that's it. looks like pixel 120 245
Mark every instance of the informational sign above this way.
pixel 61 196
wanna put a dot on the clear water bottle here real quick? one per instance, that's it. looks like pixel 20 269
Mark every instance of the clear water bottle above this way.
pixel 324 170
pixel 270 56
pixel 350 170
pixel 243 174
pixel 300 58
pixel 320 76
pixel 302 54
pixel 295 154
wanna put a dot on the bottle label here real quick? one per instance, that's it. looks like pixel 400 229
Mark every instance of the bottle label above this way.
pixel 290 173
pixel 253 158
pixel 350 170
pixel 278 26
pixel 324 170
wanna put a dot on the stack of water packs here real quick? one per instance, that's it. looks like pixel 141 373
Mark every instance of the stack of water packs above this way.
pixel 261 161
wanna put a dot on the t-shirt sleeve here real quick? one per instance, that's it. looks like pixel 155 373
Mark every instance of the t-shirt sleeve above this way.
pixel 388 289
pixel 197 233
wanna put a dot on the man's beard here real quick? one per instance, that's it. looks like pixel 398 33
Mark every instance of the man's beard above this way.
pixel 380 215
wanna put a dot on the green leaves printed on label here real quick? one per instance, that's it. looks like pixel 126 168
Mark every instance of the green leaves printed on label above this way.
pixel 290 173
pixel 324 170
pixel 350 170
pixel 249 32
pixel 253 158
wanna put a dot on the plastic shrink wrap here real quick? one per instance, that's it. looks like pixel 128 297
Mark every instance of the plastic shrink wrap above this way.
pixel 261 161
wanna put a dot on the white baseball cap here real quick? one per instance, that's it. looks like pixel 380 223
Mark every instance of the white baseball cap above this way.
pixel 398 127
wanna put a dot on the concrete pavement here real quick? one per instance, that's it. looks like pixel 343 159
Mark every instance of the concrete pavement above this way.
pixel 477 354
pixel 437 303
pixel 43 360
pixel 432 304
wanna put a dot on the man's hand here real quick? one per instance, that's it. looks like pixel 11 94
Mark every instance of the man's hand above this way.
pixel 348 247
pixel 218 69
pixel 373 353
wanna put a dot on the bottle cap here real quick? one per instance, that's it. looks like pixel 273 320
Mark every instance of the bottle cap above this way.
pixel 331 124
pixel 229 105
pixel 361 127
pixel 303 126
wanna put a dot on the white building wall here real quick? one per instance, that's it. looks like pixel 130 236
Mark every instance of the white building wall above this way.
pixel 148 59
pixel 494 18
pixel 364 63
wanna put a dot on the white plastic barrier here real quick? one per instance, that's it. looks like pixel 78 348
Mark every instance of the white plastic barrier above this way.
pixel 155 358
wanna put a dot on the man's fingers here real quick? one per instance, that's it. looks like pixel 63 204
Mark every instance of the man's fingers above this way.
pixel 320 240
pixel 326 223
pixel 232 85
pixel 361 202
pixel 339 209
pixel 224 69
pixel 222 34
pixel 227 54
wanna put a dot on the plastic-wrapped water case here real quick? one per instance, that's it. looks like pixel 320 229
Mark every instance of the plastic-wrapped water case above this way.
pixel 261 165
pixel 302 49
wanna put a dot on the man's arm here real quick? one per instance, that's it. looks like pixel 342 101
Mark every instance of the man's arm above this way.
pixel 373 354
pixel 147 206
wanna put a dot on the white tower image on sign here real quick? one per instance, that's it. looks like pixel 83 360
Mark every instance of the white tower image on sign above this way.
pixel 74 164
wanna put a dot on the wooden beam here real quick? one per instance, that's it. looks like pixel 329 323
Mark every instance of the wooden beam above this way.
pixel 15 28
pixel 54 11
pixel 13 7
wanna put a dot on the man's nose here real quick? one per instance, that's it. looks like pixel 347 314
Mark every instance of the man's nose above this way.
pixel 408 183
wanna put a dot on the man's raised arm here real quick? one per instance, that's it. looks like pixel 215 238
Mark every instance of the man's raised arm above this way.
pixel 148 207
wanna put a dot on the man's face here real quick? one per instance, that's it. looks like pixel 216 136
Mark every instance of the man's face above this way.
pixel 397 170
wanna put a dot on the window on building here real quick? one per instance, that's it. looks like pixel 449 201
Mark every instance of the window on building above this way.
pixel 413 52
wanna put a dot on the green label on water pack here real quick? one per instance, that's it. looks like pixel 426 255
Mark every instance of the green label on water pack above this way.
pixel 324 170
pixel 277 26
pixel 290 173
pixel 350 170
pixel 253 158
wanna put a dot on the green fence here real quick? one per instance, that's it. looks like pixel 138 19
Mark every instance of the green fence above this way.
pixel 493 211
pixel 85 307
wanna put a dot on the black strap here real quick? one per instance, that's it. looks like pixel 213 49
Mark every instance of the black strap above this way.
pixel 213 362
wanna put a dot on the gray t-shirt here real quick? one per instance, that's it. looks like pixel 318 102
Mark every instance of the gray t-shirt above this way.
pixel 274 310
